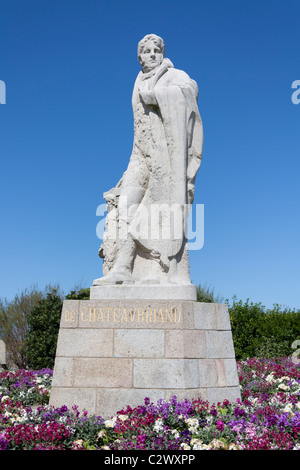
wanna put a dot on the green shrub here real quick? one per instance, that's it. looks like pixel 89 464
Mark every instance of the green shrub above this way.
pixel 261 332
pixel 79 294
pixel 13 325
pixel 206 294
pixel 43 326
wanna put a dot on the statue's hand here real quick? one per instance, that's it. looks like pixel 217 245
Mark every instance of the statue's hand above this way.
pixel 148 97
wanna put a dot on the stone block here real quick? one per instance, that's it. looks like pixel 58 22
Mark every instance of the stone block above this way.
pixel 185 393
pixel 205 316
pixel 144 291
pixel 109 401
pixel 85 343
pixel 231 373
pixel 212 373
pixel 166 373
pixel 185 344
pixel 219 344
pixel 63 372
pixel 84 398
pixel 135 314
pixel 70 314
pixel 2 353
pixel 219 394
pixel 139 343
pixel 222 317
pixel 103 372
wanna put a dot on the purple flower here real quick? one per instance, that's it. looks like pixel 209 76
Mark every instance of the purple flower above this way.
pixel 4 442
pixel 239 412
pixel 220 425
pixel 272 420
pixel 283 421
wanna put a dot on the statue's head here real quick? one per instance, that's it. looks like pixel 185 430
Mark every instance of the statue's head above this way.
pixel 151 51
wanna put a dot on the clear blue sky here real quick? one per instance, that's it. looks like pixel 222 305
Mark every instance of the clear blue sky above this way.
pixel 66 135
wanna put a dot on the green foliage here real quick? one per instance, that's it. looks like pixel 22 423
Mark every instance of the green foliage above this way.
pixel 79 294
pixel 205 294
pixel 29 325
pixel 261 332
pixel 43 326
pixel 13 325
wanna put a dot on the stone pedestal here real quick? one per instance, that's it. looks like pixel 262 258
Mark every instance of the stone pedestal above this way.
pixel 144 291
pixel 114 353
pixel 2 354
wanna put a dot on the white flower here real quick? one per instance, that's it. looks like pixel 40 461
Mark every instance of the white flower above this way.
pixel 4 398
pixel 78 442
pixel 234 447
pixel 192 423
pixel 217 444
pixel 158 426
pixel 110 423
pixel 288 408
pixel 175 433
pixel 123 417
pixel 270 378
pixel 274 400
pixel 185 446
pixel 196 441
pixel 283 386
pixel 209 419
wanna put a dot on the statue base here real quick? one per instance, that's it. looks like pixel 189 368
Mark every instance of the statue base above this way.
pixel 144 291
pixel 115 352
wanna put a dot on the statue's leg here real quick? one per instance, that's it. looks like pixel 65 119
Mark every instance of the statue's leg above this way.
pixel 179 267
pixel 133 187
pixel 121 271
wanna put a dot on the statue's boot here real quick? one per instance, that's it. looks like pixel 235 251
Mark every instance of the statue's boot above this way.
pixel 115 277
pixel 174 277
pixel 121 271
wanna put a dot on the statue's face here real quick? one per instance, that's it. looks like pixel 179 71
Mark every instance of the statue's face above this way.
pixel 151 56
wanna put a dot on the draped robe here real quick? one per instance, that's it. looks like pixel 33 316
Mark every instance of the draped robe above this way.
pixel 166 155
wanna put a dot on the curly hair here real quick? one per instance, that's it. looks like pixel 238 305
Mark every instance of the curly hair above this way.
pixel 151 37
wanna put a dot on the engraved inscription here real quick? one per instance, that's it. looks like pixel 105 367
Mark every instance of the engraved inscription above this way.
pixel 116 314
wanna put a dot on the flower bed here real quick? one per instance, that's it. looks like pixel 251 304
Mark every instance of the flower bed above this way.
pixel 267 418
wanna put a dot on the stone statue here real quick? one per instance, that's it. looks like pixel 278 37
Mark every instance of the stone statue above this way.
pixel 145 238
